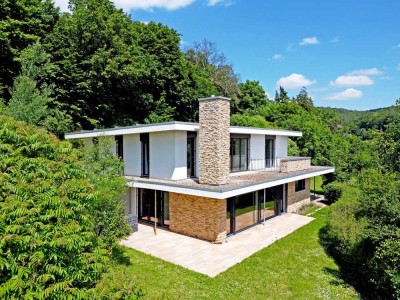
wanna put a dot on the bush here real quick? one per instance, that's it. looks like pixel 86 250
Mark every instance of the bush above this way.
pixel 48 248
pixel 363 235
pixel 333 191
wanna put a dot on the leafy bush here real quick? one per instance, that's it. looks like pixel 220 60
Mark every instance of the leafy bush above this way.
pixel 48 248
pixel 363 235
pixel 333 191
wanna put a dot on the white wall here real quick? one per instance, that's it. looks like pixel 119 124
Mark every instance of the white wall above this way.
pixel 180 169
pixel 168 155
pixel 257 151
pixel 132 154
pixel 281 146
pixel 257 146
pixel 130 201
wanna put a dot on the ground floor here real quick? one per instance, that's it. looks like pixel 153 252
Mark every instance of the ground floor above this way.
pixel 213 219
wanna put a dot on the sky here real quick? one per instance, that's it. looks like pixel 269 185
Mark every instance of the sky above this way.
pixel 346 53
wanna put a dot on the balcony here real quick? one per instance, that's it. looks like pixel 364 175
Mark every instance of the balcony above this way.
pixel 280 164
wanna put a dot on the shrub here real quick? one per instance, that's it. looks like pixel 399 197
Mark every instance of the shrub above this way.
pixel 48 247
pixel 333 191
pixel 363 235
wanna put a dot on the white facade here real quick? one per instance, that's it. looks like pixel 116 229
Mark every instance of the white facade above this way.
pixel 168 155
pixel 168 147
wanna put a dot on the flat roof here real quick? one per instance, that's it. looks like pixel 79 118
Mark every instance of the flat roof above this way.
pixel 168 126
pixel 239 183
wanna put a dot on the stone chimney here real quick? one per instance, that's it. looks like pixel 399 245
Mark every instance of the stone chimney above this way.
pixel 214 140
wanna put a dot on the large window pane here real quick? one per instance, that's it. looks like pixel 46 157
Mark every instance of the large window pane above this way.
pixel 239 154
pixel 246 211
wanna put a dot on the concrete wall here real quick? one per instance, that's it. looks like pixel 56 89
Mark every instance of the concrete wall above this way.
pixel 297 199
pixel 168 155
pixel 199 217
pixel 132 154
pixel 281 146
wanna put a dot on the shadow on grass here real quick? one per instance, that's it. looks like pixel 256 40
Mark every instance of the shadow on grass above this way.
pixel 119 257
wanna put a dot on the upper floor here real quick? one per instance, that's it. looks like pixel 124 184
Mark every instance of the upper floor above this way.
pixel 172 150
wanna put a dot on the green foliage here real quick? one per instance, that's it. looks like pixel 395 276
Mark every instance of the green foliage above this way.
pixel 31 98
pixel 105 172
pixel 22 23
pixel 252 96
pixel 333 191
pixel 48 248
pixel 363 234
pixel 249 121
pixel 27 102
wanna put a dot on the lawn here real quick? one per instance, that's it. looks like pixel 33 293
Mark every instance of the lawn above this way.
pixel 318 184
pixel 295 267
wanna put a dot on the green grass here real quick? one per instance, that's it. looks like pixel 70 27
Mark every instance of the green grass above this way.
pixel 295 267
pixel 308 209
pixel 318 184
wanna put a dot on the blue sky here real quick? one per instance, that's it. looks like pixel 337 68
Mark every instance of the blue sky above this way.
pixel 347 53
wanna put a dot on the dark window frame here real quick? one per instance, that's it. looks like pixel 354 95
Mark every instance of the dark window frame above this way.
pixel 119 146
pixel 270 162
pixel 145 148
pixel 300 185
pixel 240 137
pixel 191 161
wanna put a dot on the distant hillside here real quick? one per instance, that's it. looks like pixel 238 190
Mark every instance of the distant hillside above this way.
pixel 369 119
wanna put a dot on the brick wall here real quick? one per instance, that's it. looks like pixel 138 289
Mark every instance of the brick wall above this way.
pixel 199 217
pixel 214 140
pixel 297 199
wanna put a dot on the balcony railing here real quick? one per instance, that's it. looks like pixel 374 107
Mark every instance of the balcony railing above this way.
pixel 265 164
pixel 282 164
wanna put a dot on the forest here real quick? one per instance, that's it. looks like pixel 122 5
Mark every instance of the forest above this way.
pixel 95 67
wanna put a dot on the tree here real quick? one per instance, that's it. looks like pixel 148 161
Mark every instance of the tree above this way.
pixel 105 172
pixel 48 246
pixel 363 236
pixel 22 23
pixel 304 100
pixel 252 96
pixel 31 98
pixel 206 55
pixel 282 96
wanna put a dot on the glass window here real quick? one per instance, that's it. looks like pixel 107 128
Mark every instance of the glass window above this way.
pixel 300 185
pixel 191 156
pixel 239 154
pixel 119 146
pixel 144 138
pixel 269 152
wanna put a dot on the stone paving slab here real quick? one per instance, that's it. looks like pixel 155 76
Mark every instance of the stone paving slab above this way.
pixel 212 259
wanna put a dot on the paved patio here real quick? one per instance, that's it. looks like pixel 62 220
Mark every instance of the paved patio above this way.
pixel 211 259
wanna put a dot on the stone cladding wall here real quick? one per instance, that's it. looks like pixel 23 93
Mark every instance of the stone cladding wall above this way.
pixel 214 140
pixel 199 217
pixel 297 199
pixel 290 165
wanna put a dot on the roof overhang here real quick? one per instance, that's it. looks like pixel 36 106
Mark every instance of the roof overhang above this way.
pixel 224 194
pixel 174 126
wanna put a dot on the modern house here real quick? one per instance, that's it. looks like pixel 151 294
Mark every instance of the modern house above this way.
pixel 209 180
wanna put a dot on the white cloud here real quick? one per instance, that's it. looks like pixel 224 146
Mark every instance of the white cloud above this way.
pixel 352 80
pixel 372 71
pixel 348 94
pixel 309 41
pixel 290 48
pixel 294 81
pixel 277 56
pixel 223 2
pixel 127 5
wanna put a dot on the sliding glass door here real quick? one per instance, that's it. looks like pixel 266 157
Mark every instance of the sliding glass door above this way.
pixel 248 209
pixel 239 154
pixel 154 206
